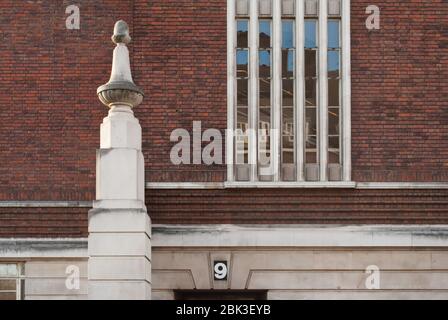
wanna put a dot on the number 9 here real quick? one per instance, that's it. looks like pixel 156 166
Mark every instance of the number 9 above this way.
pixel 220 271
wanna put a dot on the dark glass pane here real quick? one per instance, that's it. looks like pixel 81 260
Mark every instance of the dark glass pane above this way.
pixel 242 64
pixel 288 92
pixel 311 142
pixel 310 122
pixel 310 92
pixel 288 121
pixel 242 33
pixel 333 142
pixel 264 69
pixel 287 63
pixel 333 92
pixel 288 149
pixel 8 296
pixel 8 285
pixel 310 34
pixel 241 138
pixel 242 99
pixel 287 34
pixel 333 156
pixel 242 118
pixel 310 63
pixel 333 121
pixel 333 34
pixel 264 140
pixel 265 34
pixel 311 157
pixel 333 64
pixel 265 92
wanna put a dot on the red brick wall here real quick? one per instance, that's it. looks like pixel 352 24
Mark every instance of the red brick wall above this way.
pixel 298 206
pixel 43 222
pixel 50 113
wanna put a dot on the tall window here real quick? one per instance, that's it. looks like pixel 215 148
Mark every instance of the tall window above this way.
pixel 289 90
pixel 11 281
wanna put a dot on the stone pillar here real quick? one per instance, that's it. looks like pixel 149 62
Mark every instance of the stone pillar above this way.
pixel 119 226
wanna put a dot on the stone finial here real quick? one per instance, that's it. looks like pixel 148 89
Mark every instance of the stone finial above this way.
pixel 121 89
pixel 121 33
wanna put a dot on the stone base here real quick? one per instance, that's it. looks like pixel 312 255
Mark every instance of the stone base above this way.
pixel 119 254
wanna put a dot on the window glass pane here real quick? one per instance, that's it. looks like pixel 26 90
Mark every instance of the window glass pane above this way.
pixel 287 34
pixel 8 296
pixel 264 141
pixel 333 150
pixel 242 33
pixel 334 7
pixel 310 63
pixel 265 7
pixel 264 69
pixel 8 285
pixel 265 92
pixel 288 149
pixel 242 63
pixel 8 270
pixel 242 7
pixel 311 7
pixel 288 7
pixel 242 97
pixel 241 139
pixel 310 125
pixel 333 34
pixel 333 142
pixel 287 63
pixel 333 156
pixel 310 34
pixel 333 64
pixel 310 92
pixel 333 92
pixel 311 157
pixel 288 93
pixel 265 34
pixel 333 121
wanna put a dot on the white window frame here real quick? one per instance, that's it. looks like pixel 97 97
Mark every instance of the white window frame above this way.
pixel 20 277
pixel 276 95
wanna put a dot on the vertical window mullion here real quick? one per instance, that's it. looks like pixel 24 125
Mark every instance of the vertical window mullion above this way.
pixel 346 91
pixel 300 91
pixel 253 89
pixel 323 91
pixel 277 87
pixel 231 84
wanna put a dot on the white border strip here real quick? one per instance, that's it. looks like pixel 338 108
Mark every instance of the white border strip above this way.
pixel 45 204
pixel 25 248
pixel 299 236
pixel 334 184
pixel 402 185
pixel 230 85
pixel 346 93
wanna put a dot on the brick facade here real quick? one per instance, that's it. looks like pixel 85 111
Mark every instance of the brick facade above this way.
pixel 51 115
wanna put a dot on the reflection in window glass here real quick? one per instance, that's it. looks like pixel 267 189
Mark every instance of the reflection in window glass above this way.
pixel 333 92
pixel 310 33
pixel 333 64
pixel 242 63
pixel 333 34
pixel 265 34
pixel 287 34
pixel 242 98
pixel 334 87
pixel 242 33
